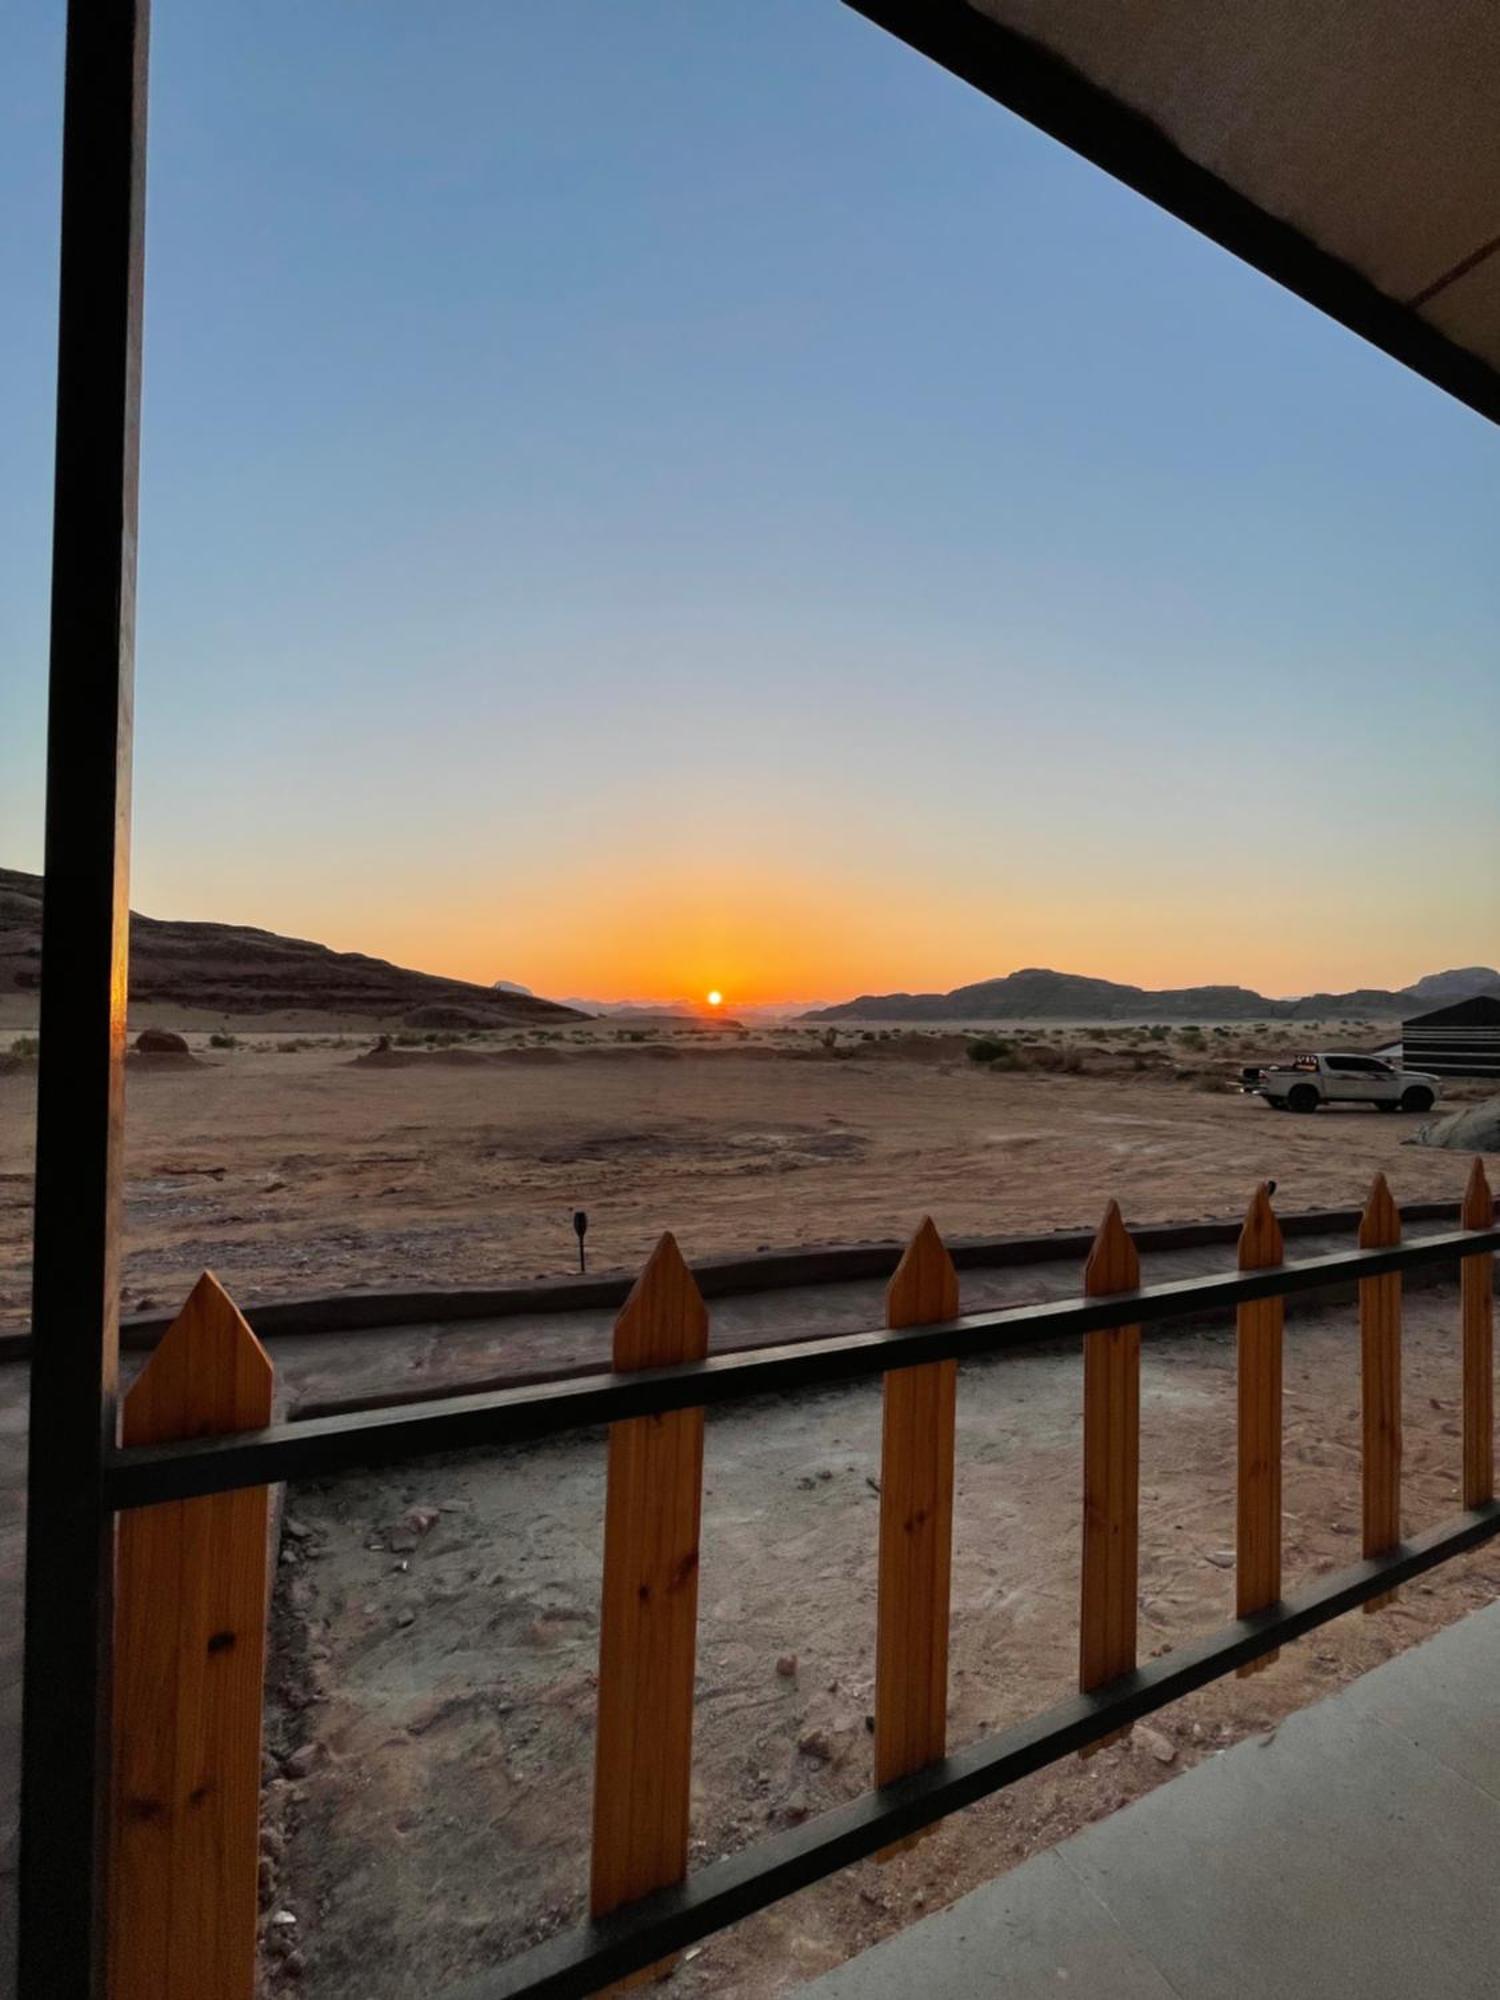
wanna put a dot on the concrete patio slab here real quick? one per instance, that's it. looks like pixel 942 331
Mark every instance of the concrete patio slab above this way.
pixel 1351 1855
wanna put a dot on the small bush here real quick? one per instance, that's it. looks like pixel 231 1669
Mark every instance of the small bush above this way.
pixel 26 1045
pixel 223 1040
pixel 994 1053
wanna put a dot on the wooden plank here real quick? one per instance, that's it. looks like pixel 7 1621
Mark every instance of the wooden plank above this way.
pixel 1380 1384
pixel 1111 1467
pixel 190 1646
pixel 1478 1310
pixel 648 1624
pixel 916 1524
pixel 1258 1341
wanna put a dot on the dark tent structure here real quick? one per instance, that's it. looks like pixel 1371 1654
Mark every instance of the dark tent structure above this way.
pixel 1461 1040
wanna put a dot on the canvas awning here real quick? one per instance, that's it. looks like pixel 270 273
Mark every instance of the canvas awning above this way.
pixel 1349 149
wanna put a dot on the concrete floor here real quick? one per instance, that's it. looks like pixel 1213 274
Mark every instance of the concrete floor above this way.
pixel 1352 1855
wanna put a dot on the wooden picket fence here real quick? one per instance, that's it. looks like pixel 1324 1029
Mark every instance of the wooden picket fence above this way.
pixel 193 1574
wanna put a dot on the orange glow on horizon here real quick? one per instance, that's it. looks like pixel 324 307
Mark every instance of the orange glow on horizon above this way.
pixel 763 927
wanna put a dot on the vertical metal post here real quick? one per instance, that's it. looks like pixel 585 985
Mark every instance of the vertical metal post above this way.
pixel 75 1299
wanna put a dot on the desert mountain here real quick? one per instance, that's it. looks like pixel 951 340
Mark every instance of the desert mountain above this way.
pixel 1037 994
pixel 228 969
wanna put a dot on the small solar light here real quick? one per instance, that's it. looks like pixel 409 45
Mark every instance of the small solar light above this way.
pixel 580 1230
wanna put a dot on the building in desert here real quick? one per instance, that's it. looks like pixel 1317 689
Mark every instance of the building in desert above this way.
pixel 1461 1040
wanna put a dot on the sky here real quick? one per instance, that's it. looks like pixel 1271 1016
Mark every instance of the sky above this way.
pixel 649 495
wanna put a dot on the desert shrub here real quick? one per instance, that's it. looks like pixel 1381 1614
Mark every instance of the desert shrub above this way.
pixel 988 1049
pixel 223 1040
pixel 25 1045
pixel 1208 1082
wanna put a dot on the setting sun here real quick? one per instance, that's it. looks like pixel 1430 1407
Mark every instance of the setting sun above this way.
pixel 715 999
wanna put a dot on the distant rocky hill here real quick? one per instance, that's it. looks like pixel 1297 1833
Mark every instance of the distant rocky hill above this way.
pixel 1037 994
pixel 228 969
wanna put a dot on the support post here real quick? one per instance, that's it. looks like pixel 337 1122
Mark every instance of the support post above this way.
pixel 190 1651
pixel 1111 1467
pixel 1380 1384
pixel 916 1524
pixel 1258 1341
pixel 75 1296
pixel 648 1621
pixel 1478 1309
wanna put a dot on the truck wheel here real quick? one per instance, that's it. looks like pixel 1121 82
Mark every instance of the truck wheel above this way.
pixel 1302 1097
pixel 1417 1099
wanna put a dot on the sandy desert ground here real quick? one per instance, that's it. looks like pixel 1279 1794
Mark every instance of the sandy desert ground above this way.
pixel 431 1692
pixel 299 1164
pixel 437 1636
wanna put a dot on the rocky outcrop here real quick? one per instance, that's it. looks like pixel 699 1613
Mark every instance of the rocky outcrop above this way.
pixel 230 969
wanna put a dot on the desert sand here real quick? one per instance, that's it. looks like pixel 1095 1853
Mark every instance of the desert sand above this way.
pixel 430 1700
pixel 433 1677
pixel 297 1165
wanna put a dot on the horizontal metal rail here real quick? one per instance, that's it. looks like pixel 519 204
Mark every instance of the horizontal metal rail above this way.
pixel 582 1961
pixel 357 1439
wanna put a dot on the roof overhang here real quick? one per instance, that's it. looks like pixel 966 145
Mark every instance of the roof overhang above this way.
pixel 1349 149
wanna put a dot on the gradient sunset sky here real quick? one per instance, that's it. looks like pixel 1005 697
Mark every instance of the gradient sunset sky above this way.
pixel 643 495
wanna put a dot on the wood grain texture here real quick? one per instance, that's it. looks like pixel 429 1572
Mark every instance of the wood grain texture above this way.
pixel 1258 1329
pixel 1111 1467
pixel 1258 1343
pixel 648 1626
pixel 1380 1384
pixel 916 1524
pixel 1478 1313
pixel 190 1643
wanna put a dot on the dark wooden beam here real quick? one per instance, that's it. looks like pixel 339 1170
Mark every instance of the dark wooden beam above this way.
pixel 70 1534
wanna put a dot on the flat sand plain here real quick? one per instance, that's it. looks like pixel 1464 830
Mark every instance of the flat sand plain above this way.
pixel 431 1697
pixel 293 1165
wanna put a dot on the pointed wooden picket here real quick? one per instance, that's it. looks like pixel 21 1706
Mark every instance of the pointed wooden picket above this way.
pixel 1111 1467
pixel 190 1640
pixel 1258 1342
pixel 648 1624
pixel 916 1524
pixel 1380 1384
pixel 1478 1311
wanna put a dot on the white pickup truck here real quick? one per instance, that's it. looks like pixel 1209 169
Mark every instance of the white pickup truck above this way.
pixel 1308 1081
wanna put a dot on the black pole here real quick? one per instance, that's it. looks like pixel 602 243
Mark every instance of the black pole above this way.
pixel 75 1299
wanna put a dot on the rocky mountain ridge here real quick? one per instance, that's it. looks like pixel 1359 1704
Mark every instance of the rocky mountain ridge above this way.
pixel 1037 993
pixel 234 970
